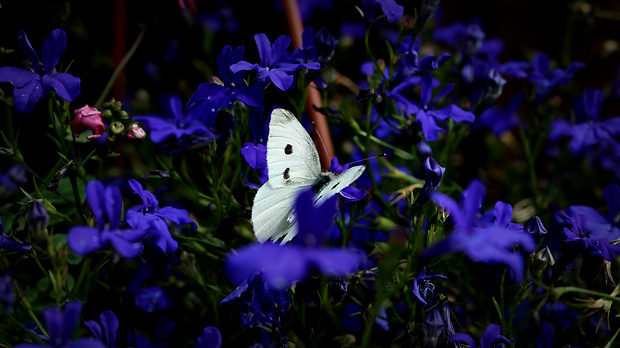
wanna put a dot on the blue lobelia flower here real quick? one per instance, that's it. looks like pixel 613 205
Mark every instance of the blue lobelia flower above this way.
pixel 107 329
pixel 423 289
pixel 577 238
pixel 105 201
pixel 601 225
pixel 209 338
pixel 211 97
pixel 490 244
pixel 424 110
pixel 162 129
pixel 33 84
pixel 546 80
pixel 152 219
pixel 10 181
pixel 271 69
pixel 389 8
pixel 282 265
pixel 432 179
pixel 60 327
pixel 491 338
pixel 261 306
pixel 7 243
pixel 589 131
pixel 500 119
pixel 255 153
pixel 410 63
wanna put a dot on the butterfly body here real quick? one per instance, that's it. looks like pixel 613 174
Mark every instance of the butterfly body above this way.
pixel 293 166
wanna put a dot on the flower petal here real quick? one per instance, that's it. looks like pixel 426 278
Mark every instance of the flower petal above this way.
pixel 83 240
pixel 67 86
pixel 16 76
pixel 33 57
pixel 53 48
pixel 24 98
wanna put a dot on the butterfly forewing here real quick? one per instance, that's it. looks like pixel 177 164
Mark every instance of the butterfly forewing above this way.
pixel 292 158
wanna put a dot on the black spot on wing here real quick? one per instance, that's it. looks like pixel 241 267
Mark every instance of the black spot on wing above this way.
pixel 333 187
pixel 286 174
pixel 288 149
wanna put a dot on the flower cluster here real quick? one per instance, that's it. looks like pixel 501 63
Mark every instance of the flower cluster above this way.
pixel 385 175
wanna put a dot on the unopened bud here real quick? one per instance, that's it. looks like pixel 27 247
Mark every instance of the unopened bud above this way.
pixel 135 132
pixel 117 127
pixel 38 220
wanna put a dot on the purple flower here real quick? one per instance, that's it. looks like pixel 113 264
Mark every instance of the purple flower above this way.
pixel 491 337
pixel 270 69
pixel 107 329
pixel 425 114
pixel 577 237
pixel 105 201
pixel 499 120
pixel 161 129
pixel 546 80
pixel 260 305
pixel 153 220
pixel 423 289
pixel 438 323
pixel 14 177
pixel 256 153
pixel 491 244
pixel 389 8
pixel 9 244
pixel 410 64
pixel 33 84
pixel 282 265
pixel 589 131
pixel 432 179
pixel 210 98
pixel 60 327
pixel 152 298
pixel 536 228
pixel 601 225
pixel 209 338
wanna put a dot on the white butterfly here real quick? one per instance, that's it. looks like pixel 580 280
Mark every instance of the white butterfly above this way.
pixel 293 165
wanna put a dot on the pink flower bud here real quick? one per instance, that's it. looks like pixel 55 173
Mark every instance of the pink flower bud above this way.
pixel 87 118
pixel 135 132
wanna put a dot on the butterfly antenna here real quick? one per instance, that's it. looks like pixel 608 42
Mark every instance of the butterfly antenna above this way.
pixel 369 158
pixel 321 140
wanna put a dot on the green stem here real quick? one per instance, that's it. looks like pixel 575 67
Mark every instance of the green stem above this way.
pixel 120 67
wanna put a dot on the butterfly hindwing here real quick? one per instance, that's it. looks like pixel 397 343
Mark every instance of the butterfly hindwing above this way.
pixel 336 185
pixel 272 212
pixel 292 158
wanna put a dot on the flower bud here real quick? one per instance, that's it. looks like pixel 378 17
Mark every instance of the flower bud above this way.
pixel 123 114
pixel 38 220
pixel 432 172
pixel 117 127
pixel 536 228
pixel 106 113
pixel 135 132
pixel 87 118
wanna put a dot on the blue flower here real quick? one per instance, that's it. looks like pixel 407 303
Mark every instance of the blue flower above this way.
pixel 107 329
pixel 256 153
pixel 7 292
pixel 9 244
pixel 14 177
pixel 260 305
pixel 601 225
pixel 60 327
pixel 491 338
pixel 152 219
pixel 210 98
pixel 282 265
pixel 152 298
pixel 577 238
pixel 411 65
pixel 270 69
pixel 209 338
pixel 425 114
pixel 105 201
pixel 32 85
pixel 389 8
pixel 546 80
pixel 423 289
pixel 500 119
pixel 432 179
pixel 491 244
pixel 161 129
pixel 589 131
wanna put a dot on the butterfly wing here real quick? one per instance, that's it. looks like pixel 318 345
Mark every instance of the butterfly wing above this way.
pixel 338 183
pixel 292 158
pixel 273 212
